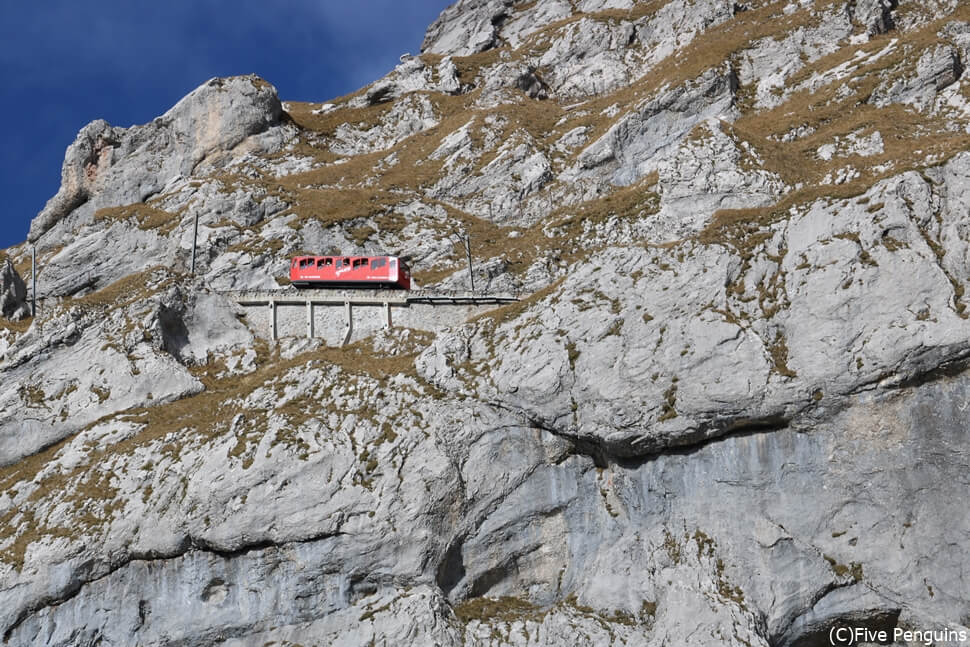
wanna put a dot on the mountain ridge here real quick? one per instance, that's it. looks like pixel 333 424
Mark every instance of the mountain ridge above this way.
pixel 728 411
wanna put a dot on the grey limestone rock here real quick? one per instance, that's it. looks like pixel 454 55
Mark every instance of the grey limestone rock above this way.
pixel 874 15
pixel 748 537
pixel 936 69
pixel 524 171
pixel 448 76
pixel 518 26
pixel 13 293
pixel 466 27
pixel 677 23
pixel 408 116
pixel 707 172
pixel 631 148
pixel 413 75
pixel 773 61
pixel 729 408
pixel 88 360
pixel 108 166
pixel 82 266
pixel 633 384
pixel 533 85
pixel 588 58
pixel 86 157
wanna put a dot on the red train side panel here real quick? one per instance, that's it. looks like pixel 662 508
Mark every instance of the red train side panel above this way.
pixel 350 272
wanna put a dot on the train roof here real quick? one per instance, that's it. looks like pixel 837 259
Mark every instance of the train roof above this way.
pixel 346 256
pixel 353 256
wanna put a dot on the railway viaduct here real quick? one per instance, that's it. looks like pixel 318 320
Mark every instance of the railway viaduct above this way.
pixel 341 316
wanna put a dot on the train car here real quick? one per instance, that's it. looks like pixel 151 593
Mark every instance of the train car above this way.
pixel 350 272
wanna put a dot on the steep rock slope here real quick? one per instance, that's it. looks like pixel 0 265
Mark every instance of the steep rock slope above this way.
pixel 728 410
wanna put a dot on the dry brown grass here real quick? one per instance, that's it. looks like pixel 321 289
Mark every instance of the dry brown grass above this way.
pixel 631 202
pixel 335 194
pixel 326 124
pixel 145 216
pixel 536 43
pixel 195 420
pixel 910 138
pixel 639 10
pixel 469 67
pixel 17 327
pixel 710 49
pixel 504 609
pixel 132 288
pixel 86 495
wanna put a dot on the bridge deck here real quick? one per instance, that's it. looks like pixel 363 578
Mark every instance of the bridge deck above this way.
pixel 365 297
pixel 387 299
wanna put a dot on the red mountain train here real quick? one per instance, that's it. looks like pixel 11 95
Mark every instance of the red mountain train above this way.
pixel 350 272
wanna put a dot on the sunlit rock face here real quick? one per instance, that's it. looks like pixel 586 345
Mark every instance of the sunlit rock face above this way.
pixel 728 408
pixel 13 293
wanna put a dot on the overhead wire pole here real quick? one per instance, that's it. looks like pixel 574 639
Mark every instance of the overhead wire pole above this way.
pixel 33 281
pixel 195 237
pixel 466 241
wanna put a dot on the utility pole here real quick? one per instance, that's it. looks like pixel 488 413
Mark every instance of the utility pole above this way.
pixel 466 241
pixel 195 237
pixel 33 281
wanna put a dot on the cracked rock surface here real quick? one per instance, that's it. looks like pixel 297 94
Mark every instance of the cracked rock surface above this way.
pixel 729 407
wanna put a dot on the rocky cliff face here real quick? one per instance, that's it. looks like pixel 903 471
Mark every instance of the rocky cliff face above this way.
pixel 730 408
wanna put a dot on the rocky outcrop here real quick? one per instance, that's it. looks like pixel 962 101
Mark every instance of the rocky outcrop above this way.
pixel 412 75
pixel 13 293
pixel 818 311
pixel 105 356
pixel 711 519
pixel 874 15
pixel 936 69
pixel 466 27
pixel 727 410
pixel 107 166
pixel 631 147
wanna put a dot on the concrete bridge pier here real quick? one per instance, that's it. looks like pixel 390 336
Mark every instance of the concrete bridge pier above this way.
pixel 416 306
pixel 349 330
pixel 274 328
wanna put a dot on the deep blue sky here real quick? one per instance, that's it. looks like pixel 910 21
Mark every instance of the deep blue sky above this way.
pixel 64 63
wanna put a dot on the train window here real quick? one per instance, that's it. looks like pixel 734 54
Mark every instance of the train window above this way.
pixel 324 262
pixel 378 263
pixel 359 262
pixel 306 262
pixel 346 262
